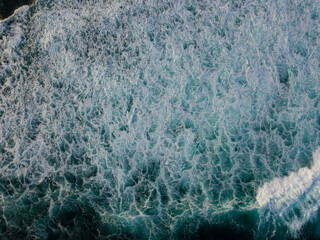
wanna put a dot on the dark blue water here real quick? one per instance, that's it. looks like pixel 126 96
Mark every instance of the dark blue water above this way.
pixel 160 120
pixel 7 7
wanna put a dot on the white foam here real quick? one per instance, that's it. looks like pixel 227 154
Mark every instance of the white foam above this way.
pixel 300 189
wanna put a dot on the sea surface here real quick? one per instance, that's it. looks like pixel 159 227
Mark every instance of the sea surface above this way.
pixel 156 119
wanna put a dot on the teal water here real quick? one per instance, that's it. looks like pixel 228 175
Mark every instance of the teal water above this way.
pixel 160 120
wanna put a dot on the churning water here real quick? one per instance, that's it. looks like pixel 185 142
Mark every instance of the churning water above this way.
pixel 160 120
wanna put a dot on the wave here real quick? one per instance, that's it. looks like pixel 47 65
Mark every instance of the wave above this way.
pixel 296 197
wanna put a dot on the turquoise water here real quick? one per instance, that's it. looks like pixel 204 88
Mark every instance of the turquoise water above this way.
pixel 160 120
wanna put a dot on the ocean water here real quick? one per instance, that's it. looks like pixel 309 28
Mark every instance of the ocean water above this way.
pixel 160 120
pixel 7 7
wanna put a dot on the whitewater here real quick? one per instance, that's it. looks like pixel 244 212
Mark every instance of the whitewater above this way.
pixel 160 120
